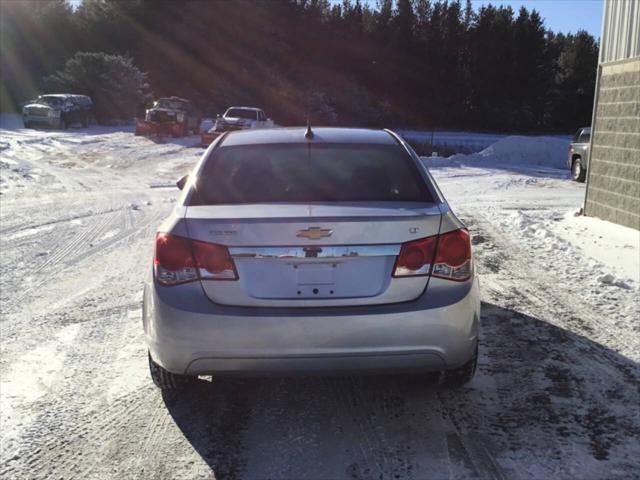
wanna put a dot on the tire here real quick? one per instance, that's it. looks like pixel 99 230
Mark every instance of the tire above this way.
pixel 85 121
pixel 459 377
pixel 26 124
pixel 63 124
pixel 166 380
pixel 578 173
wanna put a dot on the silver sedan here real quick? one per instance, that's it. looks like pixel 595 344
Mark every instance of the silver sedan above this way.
pixel 310 251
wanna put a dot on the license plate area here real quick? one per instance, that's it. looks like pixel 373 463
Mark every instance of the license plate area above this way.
pixel 286 274
pixel 315 274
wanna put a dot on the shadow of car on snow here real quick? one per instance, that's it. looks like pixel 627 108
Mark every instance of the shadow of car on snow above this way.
pixel 544 399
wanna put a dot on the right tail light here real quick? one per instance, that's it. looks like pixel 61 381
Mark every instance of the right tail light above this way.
pixel 445 256
pixel 181 260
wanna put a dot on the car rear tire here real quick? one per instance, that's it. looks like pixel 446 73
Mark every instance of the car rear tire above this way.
pixel 578 173
pixel 166 380
pixel 85 121
pixel 459 377
pixel 27 125
pixel 63 124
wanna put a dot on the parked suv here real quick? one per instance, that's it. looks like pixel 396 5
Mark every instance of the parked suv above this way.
pixel 58 110
pixel 578 160
pixel 330 250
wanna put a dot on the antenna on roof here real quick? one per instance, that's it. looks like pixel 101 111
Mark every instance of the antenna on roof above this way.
pixel 309 133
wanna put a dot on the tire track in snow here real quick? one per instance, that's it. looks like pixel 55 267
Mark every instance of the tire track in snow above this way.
pixel 83 245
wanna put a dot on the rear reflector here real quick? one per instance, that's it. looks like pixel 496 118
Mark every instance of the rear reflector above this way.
pixel 180 260
pixel 445 256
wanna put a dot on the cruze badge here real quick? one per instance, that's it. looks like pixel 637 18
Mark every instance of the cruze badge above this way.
pixel 314 233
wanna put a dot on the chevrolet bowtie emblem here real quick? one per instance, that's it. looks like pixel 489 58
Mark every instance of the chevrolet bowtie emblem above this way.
pixel 314 233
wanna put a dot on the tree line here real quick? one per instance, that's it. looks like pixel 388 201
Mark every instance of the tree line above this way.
pixel 403 63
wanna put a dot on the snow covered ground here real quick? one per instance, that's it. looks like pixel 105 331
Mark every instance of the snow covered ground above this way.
pixel 556 394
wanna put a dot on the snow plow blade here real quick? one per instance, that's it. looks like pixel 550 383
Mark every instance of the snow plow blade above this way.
pixel 146 128
pixel 207 137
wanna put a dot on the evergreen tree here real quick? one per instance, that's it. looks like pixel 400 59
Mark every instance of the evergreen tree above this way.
pixel 419 63
pixel 118 88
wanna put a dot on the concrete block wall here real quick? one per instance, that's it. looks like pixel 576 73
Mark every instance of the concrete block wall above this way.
pixel 613 185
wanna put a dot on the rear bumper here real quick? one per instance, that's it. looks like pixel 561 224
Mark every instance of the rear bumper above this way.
pixel 189 334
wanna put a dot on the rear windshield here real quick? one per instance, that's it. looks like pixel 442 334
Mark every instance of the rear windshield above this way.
pixel 316 173
pixel 51 101
pixel 241 113
pixel 172 104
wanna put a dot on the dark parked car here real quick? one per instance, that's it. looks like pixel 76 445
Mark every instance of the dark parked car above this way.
pixel 578 160
pixel 58 110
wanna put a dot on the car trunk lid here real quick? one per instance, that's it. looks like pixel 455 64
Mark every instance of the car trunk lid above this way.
pixel 306 255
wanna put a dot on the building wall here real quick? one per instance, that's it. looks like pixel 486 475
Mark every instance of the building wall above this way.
pixel 613 181
pixel 613 188
pixel 620 30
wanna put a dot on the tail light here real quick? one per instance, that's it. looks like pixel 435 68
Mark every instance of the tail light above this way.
pixel 453 258
pixel 416 257
pixel 180 260
pixel 444 256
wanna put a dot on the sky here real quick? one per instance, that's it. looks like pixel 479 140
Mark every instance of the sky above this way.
pixel 559 15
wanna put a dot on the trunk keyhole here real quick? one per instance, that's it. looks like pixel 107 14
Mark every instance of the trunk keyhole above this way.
pixel 315 291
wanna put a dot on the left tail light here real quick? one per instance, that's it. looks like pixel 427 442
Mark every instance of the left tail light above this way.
pixel 445 256
pixel 181 260
pixel 415 258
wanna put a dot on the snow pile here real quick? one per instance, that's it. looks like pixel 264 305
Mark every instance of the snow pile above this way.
pixel 543 151
pixel 513 151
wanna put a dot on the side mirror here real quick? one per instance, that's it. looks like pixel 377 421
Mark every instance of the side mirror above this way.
pixel 182 181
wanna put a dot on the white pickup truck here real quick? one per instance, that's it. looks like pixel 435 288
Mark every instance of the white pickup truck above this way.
pixel 237 118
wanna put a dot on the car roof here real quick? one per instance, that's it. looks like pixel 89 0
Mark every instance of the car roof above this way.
pixel 297 135
pixel 62 95
pixel 180 99
pixel 256 109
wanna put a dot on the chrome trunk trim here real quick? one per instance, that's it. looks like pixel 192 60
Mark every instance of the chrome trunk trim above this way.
pixel 315 251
